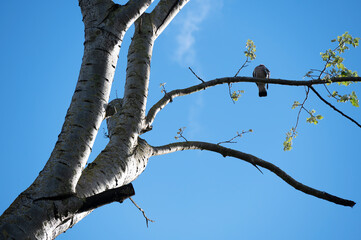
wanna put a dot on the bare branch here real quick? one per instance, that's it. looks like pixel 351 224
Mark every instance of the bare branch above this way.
pixel 196 75
pixel 243 66
pixel 164 13
pixel 140 209
pixel 333 107
pixel 134 8
pixel 180 134
pixel 237 136
pixel 228 80
pixel 173 147
pixel 113 195
pixel 301 107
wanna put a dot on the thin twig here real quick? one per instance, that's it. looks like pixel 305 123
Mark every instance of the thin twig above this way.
pixel 333 107
pixel 230 84
pixel 196 75
pixel 240 135
pixel 302 107
pixel 331 95
pixel 230 92
pixel 180 134
pixel 140 209
pixel 237 136
pixel 244 65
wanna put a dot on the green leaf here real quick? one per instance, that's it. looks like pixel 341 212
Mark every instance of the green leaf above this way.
pixel 295 104
pixel 354 100
pixel 290 135
pixel 341 66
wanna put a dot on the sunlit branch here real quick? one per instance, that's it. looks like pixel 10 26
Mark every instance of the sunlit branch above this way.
pixel 228 80
pixel 147 220
pixel 174 147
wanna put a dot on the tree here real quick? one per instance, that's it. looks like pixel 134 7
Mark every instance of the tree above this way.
pixel 53 190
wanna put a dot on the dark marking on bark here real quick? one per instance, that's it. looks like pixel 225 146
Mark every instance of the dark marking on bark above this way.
pixel 55 211
pixel 91 165
pixel 77 125
pixel 72 222
pixel 122 166
pixel 56 197
pixel 103 50
pixel 59 179
pixel 116 181
pixel 64 163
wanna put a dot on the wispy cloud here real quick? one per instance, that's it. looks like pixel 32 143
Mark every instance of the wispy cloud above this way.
pixel 196 12
pixel 189 24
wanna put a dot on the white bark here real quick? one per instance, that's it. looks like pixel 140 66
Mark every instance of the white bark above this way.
pixel 105 25
pixel 64 191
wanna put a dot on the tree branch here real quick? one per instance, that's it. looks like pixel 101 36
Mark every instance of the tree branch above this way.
pixel 164 13
pixel 228 80
pixel 333 107
pixel 147 220
pixel 173 147
pixel 113 195
pixel 110 168
pixel 135 8
pixel 200 79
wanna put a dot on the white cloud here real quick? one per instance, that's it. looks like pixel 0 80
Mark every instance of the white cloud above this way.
pixel 189 24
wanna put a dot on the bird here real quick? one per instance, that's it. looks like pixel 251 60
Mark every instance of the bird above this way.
pixel 261 72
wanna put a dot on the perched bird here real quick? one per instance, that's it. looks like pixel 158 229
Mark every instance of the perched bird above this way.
pixel 261 72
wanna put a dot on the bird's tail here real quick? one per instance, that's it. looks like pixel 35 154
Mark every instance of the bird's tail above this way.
pixel 262 91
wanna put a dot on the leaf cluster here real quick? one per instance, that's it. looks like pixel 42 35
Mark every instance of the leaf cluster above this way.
pixel 334 66
pixel 236 95
pixel 251 49
pixel 352 98
pixel 290 135
pixel 313 118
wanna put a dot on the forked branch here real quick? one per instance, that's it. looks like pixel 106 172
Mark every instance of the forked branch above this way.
pixel 174 147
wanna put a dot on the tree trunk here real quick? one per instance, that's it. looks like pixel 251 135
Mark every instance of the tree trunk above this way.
pixel 65 190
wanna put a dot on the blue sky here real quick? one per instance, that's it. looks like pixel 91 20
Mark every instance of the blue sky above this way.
pixel 196 195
